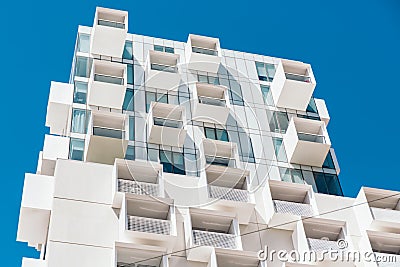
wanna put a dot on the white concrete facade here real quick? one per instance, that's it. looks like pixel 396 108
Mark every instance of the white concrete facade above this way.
pixel 167 153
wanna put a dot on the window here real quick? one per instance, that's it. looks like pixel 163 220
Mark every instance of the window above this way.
pixel 311 106
pixel 216 134
pixel 266 72
pixel 80 92
pixel 155 97
pixel 82 67
pixel 208 79
pixel 130 153
pixel 83 43
pixel 173 162
pixel 128 100
pixel 328 163
pixel 131 128
pixel 79 121
pixel 76 148
pixel 128 51
pixel 279 149
pixel 235 93
pixel 291 175
pixel 267 95
pixel 278 121
pixel 129 73
pixel 164 49
pixel 328 183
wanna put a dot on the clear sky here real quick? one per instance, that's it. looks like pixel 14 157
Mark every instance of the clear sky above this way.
pixel 353 47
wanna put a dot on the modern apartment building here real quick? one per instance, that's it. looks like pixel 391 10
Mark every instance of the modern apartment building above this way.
pixel 167 153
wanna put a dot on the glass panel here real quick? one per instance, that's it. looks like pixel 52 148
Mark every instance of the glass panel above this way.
pixel 209 133
pixel 328 163
pixel 311 106
pixel 128 51
pixel 262 72
pixel 128 100
pixel 108 132
pixel 78 121
pixel 108 79
pixel 297 177
pixel 113 24
pixel 80 92
pixel 159 48
pixel 332 182
pixel 131 128
pixel 279 149
pixel 267 95
pixel 76 149
pixel 169 50
pixel 202 78
pixel 129 73
pixel 165 160
pixel 82 67
pixel 283 121
pixel 150 97
pixel 273 123
pixel 83 43
pixel 204 51
pixel 162 98
pixel 179 163
pixel 320 182
pixel 213 80
pixel 222 135
pixel 285 174
pixel 270 71
pixel 130 153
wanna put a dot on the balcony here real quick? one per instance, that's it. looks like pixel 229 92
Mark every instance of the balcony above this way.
pixel 293 85
pixel 238 259
pixel 210 230
pixel 106 139
pixel 162 70
pixel 165 124
pixel 130 255
pixel 36 205
pixel 211 104
pixel 54 147
pixel 203 53
pixel 107 84
pixel 109 32
pixel 319 245
pixel 231 194
pixel 59 107
pixel 299 209
pixel 386 247
pixel 29 262
pixel 148 225
pixel 307 142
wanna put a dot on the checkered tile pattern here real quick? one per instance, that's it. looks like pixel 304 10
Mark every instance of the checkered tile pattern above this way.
pixel 218 240
pixel 228 193
pixel 293 208
pixel 320 245
pixel 148 225
pixel 139 188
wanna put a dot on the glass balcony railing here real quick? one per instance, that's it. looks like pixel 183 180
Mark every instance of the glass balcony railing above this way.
pixel 315 138
pixel 109 23
pixel 221 161
pixel 213 239
pixel 166 68
pixel 387 215
pixel 148 225
pixel 226 193
pixel 108 132
pixel 294 208
pixel 212 101
pixel 108 79
pixel 204 51
pixel 322 245
pixel 138 188
pixel 167 122
pixel 298 77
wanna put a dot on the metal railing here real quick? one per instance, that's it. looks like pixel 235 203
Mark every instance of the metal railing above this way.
pixel 138 188
pixel 226 193
pixel 220 161
pixel 213 239
pixel 315 138
pixel 108 79
pixel 297 77
pixel 385 214
pixel 299 209
pixel 212 101
pixel 162 67
pixel 110 23
pixel 167 122
pixel 108 132
pixel 320 245
pixel 205 51
pixel 148 225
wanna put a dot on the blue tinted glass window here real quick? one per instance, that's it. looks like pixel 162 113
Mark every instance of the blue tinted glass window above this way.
pixel 279 149
pixel 83 43
pixel 128 51
pixel 173 162
pixel 82 67
pixel 79 121
pixel 267 95
pixel 311 106
pixel 128 100
pixel 76 149
pixel 169 50
pixel 80 92
pixel 328 163
pixel 131 128
pixel 130 153
pixel 159 48
pixel 129 73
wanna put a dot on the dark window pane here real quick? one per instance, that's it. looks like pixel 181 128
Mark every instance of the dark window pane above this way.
pixel 320 182
pixel 222 135
pixel 311 106
pixel 130 153
pixel 159 48
pixel 328 163
pixel 169 50
pixel 129 73
pixel 283 121
pixel 128 100
pixel 131 128
pixel 128 51
pixel 332 182
pixel 209 133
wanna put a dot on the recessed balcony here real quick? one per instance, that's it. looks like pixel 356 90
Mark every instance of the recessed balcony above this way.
pixel 238 259
pixel 129 255
pixel 109 32
pixel 107 84
pixel 209 230
pixel 386 248
pixel 162 70
pixel 307 142
pixel 211 104
pixel 59 107
pixel 290 203
pixel 165 124
pixel 293 85
pixel 106 139
pixel 203 53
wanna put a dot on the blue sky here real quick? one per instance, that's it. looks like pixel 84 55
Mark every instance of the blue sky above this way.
pixel 353 46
